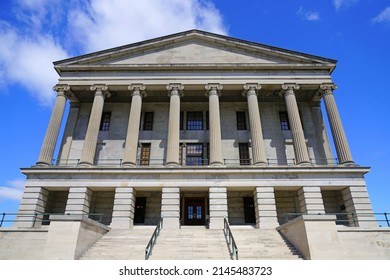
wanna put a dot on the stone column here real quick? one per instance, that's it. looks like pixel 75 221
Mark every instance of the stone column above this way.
pixel 340 140
pixel 310 200
pixel 218 207
pixel 50 140
pixel 265 207
pixel 89 147
pixel 33 201
pixel 130 157
pixel 213 92
pixel 78 201
pixel 175 92
pixel 300 148
pixel 258 151
pixel 68 135
pixel 170 207
pixel 124 207
pixel 357 201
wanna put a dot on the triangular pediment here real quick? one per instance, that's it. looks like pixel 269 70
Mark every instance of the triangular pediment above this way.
pixel 192 48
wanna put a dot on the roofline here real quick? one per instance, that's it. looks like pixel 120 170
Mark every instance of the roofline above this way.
pixel 190 32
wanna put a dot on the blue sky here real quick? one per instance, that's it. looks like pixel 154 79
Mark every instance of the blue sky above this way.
pixel 34 33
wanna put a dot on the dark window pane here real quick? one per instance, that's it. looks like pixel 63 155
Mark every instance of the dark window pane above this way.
pixel 181 120
pixel 148 121
pixel 284 124
pixel 194 121
pixel 244 153
pixel 241 121
pixel 105 123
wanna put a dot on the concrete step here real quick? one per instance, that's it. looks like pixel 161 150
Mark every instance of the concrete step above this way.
pixel 118 244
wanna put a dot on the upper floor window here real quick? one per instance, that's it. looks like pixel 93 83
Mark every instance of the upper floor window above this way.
pixel 243 149
pixel 241 121
pixel 284 123
pixel 194 154
pixel 194 120
pixel 148 121
pixel 145 154
pixel 105 122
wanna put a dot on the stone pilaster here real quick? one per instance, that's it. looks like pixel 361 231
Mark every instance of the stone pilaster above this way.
pixel 213 92
pixel 78 202
pixel 89 147
pixel 130 156
pixel 310 200
pixel 258 151
pixel 265 208
pixel 170 207
pixel 33 201
pixel 300 148
pixel 124 207
pixel 175 92
pixel 339 138
pixel 218 207
pixel 357 201
pixel 50 140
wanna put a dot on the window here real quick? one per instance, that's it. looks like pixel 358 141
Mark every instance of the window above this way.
pixel 181 120
pixel 194 154
pixel 241 121
pixel 145 154
pixel 243 149
pixel 284 124
pixel 207 121
pixel 148 121
pixel 194 120
pixel 105 122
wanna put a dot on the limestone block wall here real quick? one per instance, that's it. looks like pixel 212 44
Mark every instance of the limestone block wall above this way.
pixel 236 206
pixel 153 206
pixel 286 202
pixel 102 202
pixel 365 244
pixel 278 143
pixel 22 244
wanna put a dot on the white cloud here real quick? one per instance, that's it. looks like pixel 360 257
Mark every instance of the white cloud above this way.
pixel 13 190
pixel 308 15
pixel 338 4
pixel 383 16
pixel 28 61
pixel 108 24
pixel 45 31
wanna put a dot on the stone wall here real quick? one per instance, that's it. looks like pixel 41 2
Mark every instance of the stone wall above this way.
pixel 236 206
pixel 286 202
pixel 153 206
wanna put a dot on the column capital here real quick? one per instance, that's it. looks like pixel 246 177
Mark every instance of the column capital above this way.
pixel 213 89
pixel 326 89
pixel 137 89
pixel 175 89
pixel 287 88
pixel 61 89
pixel 101 90
pixel 250 89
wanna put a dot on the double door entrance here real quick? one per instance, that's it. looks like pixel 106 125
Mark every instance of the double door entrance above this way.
pixel 194 211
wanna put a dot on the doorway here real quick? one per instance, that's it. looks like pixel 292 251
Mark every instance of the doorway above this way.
pixel 194 211
pixel 139 213
pixel 249 210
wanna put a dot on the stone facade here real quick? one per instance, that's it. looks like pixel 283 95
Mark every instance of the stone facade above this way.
pixel 192 128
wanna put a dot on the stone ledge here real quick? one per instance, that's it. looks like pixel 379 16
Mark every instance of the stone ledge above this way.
pixel 319 217
pixel 77 218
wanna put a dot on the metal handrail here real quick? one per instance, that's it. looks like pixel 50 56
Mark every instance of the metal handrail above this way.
pixel 342 218
pixel 41 217
pixel 230 239
pixel 153 239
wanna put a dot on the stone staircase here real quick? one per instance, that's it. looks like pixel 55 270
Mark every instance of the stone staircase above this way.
pixel 257 244
pixel 121 244
pixel 191 243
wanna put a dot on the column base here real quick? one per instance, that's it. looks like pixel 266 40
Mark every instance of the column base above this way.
pixel 304 163
pixel 171 164
pixel 43 164
pixel 85 164
pixel 216 163
pixel 129 164
pixel 348 163
pixel 261 164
